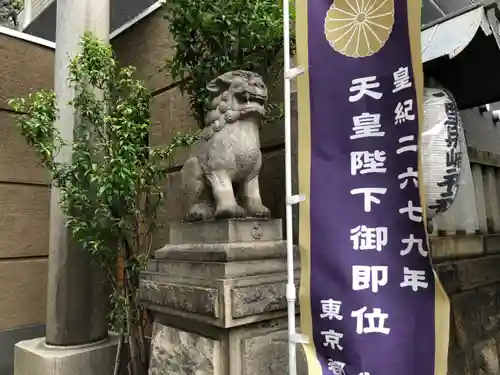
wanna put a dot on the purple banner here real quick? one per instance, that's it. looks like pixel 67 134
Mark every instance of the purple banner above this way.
pixel 370 285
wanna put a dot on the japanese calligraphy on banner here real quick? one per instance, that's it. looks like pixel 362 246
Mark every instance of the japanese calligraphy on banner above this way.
pixel 442 141
pixel 370 301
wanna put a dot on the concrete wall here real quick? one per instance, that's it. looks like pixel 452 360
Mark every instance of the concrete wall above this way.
pixel 24 201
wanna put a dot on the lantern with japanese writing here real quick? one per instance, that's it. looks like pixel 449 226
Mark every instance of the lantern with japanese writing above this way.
pixel 441 150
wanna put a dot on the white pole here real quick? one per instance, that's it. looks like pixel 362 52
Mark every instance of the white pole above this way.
pixel 290 286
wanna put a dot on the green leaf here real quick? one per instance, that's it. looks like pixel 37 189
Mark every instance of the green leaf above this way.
pixel 213 37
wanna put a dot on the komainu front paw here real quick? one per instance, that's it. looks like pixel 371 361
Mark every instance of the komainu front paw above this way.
pixel 229 212
pixel 257 210
pixel 200 212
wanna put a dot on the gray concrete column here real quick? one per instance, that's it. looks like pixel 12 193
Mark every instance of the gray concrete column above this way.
pixel 77 298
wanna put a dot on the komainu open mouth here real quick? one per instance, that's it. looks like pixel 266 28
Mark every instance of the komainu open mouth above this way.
pixel 254 99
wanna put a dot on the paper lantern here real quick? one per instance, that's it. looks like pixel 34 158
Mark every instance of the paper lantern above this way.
pixel 441 150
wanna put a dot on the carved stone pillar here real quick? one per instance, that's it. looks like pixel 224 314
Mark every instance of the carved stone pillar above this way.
pixel 218 296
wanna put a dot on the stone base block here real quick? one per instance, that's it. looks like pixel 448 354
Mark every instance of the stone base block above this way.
pixel 32 357
pixel 225 231
pixel 255 349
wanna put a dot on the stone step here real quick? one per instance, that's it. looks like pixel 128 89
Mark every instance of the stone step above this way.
pixel 223 252
pixel 225 231
pixel 219 270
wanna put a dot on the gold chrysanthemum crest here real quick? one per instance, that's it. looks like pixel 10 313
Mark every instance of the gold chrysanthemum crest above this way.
pixel 359 28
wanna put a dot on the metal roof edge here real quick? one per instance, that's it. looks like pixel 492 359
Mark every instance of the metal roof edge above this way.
pixel 453 35
pixel 26 37
pixel 453 15
pixel 136 19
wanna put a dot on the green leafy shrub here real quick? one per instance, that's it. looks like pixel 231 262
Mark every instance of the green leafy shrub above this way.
pixel 111 188
pixel 213 37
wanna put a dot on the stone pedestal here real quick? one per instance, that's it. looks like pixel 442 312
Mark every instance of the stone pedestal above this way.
pixel 218 296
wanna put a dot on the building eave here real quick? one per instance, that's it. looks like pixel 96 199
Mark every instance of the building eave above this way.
pixel 463 54
pixel 124 14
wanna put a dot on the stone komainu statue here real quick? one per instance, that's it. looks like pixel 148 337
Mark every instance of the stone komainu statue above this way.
pixel 221 177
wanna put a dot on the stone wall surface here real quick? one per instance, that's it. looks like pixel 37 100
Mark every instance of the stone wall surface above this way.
pixel 24 201
pixel 472 280
pixel 24 190
pixel 25 67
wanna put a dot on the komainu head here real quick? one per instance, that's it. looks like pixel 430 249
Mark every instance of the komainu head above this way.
pixel 237 94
